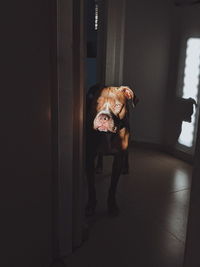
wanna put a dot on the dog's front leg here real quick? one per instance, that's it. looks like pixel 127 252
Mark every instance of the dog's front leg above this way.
pixel 90 171
pixel 116 171
pixel 125 168
pixel 99 165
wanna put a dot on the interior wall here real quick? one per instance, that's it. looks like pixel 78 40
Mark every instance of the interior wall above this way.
pixel 193 231
pixel 146 58
pixel 63 104
pixel 186 24
pixel 42 166
pixel 26 164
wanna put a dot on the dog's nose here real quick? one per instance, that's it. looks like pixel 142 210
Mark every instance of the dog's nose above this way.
pixel 104 117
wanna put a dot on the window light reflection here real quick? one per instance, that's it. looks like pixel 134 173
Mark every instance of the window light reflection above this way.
pixel 190 87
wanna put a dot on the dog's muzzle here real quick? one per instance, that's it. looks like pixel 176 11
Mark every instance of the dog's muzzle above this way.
pixel 104 122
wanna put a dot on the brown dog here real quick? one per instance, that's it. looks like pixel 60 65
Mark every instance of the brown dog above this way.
pixel 108 133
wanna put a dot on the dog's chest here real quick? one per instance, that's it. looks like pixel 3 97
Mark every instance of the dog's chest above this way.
pixel 108 143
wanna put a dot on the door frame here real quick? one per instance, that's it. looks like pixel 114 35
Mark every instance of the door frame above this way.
pixel 110 42
pixel 68 109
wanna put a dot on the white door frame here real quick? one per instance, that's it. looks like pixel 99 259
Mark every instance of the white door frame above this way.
pixel 68 125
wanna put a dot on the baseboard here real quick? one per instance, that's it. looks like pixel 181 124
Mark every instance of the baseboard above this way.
pixel 146 145
pixel 165 149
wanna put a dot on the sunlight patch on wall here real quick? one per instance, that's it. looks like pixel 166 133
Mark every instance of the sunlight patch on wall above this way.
pixel 190 87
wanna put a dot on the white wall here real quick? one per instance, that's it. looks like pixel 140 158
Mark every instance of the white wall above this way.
pixel 146 57
pixel 193 230
pixel 26 165
pixel 186 24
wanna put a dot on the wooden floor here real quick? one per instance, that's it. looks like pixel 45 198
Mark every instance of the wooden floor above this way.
pixel 150 230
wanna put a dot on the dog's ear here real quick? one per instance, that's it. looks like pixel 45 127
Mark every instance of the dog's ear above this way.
pixel 129 94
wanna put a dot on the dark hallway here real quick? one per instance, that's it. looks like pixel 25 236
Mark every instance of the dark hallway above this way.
pixel 141 44
pixel 151 228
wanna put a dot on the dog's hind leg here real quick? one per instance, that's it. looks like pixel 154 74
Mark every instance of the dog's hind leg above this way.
pixel 116 171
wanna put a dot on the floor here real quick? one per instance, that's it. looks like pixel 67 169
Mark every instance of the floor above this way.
pixel 150 230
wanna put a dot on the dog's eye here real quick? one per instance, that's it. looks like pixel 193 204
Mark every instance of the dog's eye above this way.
pixel 117 106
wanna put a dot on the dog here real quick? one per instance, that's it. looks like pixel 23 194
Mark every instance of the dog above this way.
pixel 99 162
pixel 108 133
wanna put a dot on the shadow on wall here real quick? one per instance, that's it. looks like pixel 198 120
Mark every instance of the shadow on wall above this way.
pixel 182 111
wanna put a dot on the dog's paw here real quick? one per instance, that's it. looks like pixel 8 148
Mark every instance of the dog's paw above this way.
pixel 125 171
pixel 113 209
pixel 98 170
pixel 90 209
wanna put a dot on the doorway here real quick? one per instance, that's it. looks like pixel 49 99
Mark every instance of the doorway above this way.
pixel 112 72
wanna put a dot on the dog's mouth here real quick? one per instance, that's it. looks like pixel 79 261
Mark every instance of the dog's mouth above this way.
pixel 105 129
pixel 104 122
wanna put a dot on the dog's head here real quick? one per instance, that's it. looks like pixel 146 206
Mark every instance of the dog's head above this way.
pixel 111 107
